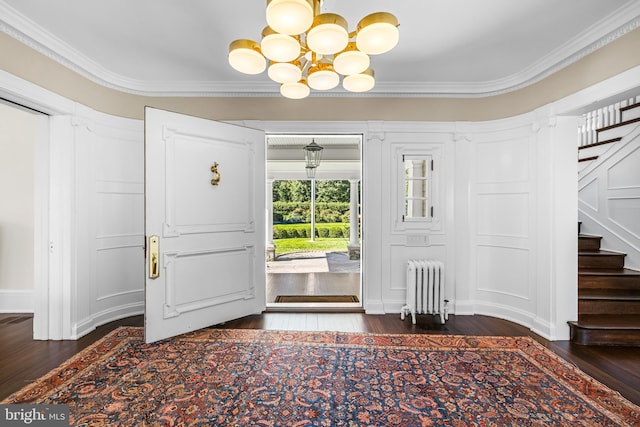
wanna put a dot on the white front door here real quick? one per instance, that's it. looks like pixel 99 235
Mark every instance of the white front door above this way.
pixel 209 266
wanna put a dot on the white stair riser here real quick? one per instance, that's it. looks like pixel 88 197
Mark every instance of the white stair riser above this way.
pixel 598 150
pixel 616 132
pixel 631 114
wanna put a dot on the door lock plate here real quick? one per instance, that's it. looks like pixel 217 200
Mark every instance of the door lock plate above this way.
pixel 154 253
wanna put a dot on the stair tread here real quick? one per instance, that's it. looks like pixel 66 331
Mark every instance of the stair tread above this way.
pixel 587 159
pixel 596 144
pixel 608 272
pixel 598 321
pixel 617 125
pixel 630 107
pixel 601 253
pixel 609 297
pixel 588 236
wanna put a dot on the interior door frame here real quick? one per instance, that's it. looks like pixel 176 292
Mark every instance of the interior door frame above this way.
pixel 302 176
pixel 51 318
pixel 369 279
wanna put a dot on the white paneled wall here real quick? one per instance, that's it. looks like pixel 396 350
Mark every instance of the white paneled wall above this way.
pixel 504 221
pixel 515 193
pixel 502 211
pixel 505 213
pixel 110 220
pixel 402 240
pixel 503 198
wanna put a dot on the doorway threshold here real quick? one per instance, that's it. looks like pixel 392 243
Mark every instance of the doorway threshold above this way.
pixel 315 307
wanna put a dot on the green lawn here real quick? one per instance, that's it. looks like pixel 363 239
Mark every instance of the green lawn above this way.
pixel 302 244
pixel 284 246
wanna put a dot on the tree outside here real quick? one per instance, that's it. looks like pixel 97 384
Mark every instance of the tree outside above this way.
pixel 300 191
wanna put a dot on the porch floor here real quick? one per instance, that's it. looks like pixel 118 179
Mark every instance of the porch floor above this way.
pixel 313 273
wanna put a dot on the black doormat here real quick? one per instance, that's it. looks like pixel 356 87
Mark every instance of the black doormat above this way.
pixel 317 298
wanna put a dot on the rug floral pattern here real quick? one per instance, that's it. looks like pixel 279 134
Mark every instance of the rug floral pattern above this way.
pixel 243 378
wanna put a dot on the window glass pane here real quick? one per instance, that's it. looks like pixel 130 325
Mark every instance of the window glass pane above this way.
pixel 416 209
pixel 416 188
pixel 415 168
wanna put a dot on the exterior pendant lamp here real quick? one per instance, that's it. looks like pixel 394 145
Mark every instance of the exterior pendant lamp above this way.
pixel 311 172
pixel 313 154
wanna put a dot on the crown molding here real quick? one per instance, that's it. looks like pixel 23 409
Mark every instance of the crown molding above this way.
pixel 624 20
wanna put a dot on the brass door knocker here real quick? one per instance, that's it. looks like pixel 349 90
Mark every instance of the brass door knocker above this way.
pixel 216 174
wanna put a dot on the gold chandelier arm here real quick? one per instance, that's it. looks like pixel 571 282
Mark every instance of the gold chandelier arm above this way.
pixel 306 64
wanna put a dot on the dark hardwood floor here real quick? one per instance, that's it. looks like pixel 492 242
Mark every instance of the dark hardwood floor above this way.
pixel 22 360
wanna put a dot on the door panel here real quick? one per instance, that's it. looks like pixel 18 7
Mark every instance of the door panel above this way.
pixel 211 237
pixel 221 284
pixel 221 207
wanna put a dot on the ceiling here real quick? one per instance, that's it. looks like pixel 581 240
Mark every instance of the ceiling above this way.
pixel 446 48
pixel 340 156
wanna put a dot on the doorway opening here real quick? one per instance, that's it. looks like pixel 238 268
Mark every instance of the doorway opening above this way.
pixel 313 223
pixel 23 145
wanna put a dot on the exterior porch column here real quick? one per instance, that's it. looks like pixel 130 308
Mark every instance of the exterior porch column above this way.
pixel 354 243
pixel 271 247
pixel 313 209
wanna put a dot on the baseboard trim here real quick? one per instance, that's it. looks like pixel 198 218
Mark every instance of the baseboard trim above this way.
pixel 374 307
pixel 116 313
pixel 16 301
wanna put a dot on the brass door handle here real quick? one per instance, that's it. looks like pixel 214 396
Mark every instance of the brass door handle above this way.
pixel 154 246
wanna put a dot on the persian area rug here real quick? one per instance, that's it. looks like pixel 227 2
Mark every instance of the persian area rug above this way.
pixel 223 377
pixel 316 298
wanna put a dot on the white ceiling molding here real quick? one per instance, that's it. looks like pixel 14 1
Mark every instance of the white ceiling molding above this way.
pixel 624 20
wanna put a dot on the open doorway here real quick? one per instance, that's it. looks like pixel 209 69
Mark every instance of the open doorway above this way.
pixel 23 136
pixel 313 222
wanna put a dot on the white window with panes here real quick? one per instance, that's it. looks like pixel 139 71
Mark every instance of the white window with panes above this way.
pixel 417 204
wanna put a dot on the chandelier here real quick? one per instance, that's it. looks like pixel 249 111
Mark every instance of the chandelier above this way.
pixel 305 49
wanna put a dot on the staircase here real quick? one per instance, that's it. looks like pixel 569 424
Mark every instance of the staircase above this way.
pixel 608 297
pixel 608 293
